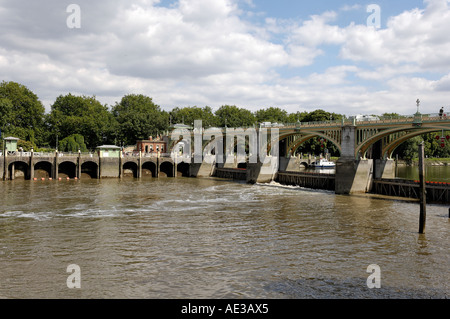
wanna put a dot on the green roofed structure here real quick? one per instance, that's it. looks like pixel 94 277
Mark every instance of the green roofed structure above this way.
pixel 111 151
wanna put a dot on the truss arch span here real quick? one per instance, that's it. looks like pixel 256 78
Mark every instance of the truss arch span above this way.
pixel 393 137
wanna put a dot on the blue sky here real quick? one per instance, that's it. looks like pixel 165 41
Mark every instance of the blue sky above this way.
pixel 296 55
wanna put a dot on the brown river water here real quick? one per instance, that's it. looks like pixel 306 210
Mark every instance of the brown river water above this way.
pixel 207 238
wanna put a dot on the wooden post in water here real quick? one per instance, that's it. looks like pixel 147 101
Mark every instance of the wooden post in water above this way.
pixel 422 189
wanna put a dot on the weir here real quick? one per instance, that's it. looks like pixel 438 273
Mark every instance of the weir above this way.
pixel 365 149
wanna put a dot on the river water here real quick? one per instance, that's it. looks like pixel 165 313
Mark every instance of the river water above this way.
pixel 208 238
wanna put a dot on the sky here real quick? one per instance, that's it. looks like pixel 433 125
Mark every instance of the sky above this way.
pixel 355 57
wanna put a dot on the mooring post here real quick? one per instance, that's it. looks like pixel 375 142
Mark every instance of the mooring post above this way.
pixel 422 190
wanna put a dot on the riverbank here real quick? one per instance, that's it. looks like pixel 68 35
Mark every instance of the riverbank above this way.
pixel 428 162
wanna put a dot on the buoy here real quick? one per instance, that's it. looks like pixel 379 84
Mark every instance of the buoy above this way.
pixel 35 179
pixel 67 178
pixel 50 178
pixel 42 179
pixel 59 178
pixel 75 178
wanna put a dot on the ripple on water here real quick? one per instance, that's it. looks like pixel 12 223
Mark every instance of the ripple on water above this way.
pixel 192 238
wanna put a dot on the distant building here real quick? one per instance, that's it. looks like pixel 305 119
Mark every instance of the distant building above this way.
pixel 363 118
pixel 153 145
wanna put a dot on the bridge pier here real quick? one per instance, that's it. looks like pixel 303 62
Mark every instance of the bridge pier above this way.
pixel 31 167
pixel 290 164
pixel 263 172
pixel 352 175
pixel 12 172
pixel 201 170
pixel 56 166
pixel 384 168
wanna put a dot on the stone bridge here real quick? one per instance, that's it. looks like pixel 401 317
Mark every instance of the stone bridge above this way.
pixel 365 147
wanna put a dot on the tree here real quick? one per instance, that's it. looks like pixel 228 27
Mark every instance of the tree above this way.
pixel 72 143
pixel 391 115
pixel 272 114
pixel 21 111
pixel 26 146
pixel 433 147
pixel 82 115
pixel 321 116
pixel 6 109
pixel 409 149
pixel 297 117
pixel 138 118
pixel 232 116
pixel 188 115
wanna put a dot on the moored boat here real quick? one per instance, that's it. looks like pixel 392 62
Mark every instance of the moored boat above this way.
pixel 323 163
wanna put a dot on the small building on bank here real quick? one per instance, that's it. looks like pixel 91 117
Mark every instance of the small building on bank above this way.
pixel 11 144
pixel 112 151
pixel 153 145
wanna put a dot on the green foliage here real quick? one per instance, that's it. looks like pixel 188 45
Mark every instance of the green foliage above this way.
pixel 188 115
pixel 81 115
pixel 6 109
pixel 25 145
pixel 272 114
pixel 321 116
pixel 21 112
pixel 232 116
pixel 408 151
pixel 297 117
pixel 138 118
pixel 72 143
pixel 391 115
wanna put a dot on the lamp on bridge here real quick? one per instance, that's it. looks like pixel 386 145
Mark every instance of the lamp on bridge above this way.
pixel 417 117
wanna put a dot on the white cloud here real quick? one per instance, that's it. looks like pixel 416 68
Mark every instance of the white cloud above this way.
pixel 202 52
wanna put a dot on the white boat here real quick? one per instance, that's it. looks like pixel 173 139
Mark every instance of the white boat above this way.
pixel 323 163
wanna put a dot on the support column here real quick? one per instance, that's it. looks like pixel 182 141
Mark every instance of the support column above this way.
pixel 31 165
pixel 139 169
pixel 121 164
pixel 353 175
pixel 79 165
pixel 12 171
pixel 157 167
pixel 99 167
pixel 56 165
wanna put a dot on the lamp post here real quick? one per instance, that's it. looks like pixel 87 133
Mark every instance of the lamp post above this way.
pixel 417 117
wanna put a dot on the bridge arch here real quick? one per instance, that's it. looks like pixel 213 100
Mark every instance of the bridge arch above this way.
pixel 67 169
pixel 149 169
pixel 295 140
pixel 130 169
pixel 89 169
pixel 19 170
pixel 183 169
pixel 166 169
pixel 391 139
pixel 43 169
pixel 389 149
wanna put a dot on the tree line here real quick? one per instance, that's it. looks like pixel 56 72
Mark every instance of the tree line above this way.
pixel 83 122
